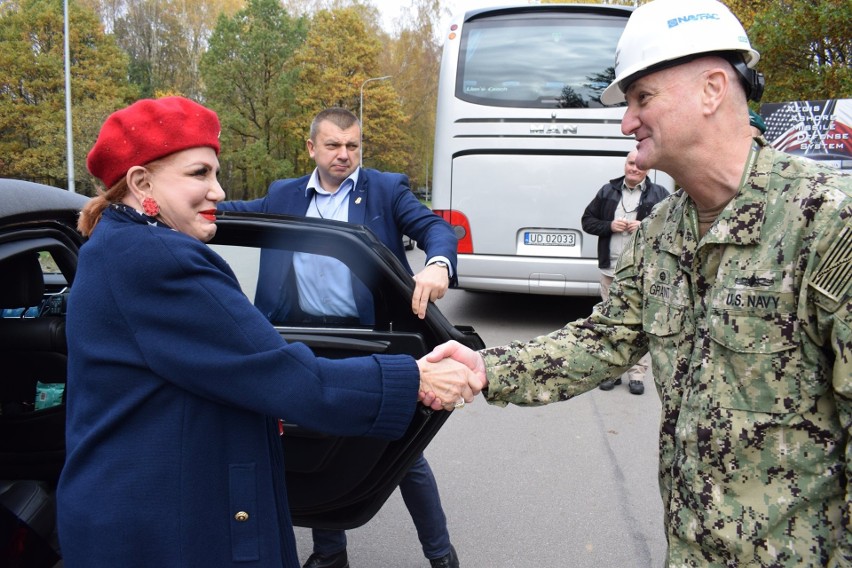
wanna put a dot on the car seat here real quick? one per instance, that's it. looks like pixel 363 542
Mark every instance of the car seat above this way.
pixel 32 350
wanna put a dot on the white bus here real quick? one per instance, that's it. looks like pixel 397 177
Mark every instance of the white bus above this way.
pixel 522 143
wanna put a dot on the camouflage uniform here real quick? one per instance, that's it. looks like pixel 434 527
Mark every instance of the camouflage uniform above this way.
pixel 750 331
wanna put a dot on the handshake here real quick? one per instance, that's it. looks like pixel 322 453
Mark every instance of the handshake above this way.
pixel 450 376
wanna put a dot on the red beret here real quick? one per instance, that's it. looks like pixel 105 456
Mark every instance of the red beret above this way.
pixel 147 130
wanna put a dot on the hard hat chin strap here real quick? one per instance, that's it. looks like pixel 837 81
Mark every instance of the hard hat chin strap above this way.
pixel 753 81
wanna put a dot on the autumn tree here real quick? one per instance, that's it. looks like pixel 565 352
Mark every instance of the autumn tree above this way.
pixel 32 90
pixel 249 77
pixel 164 39
pixel 369 13
pixel 413 58
pixel 152 35
pixel 199 18
pixel 805 47
pixel 339 54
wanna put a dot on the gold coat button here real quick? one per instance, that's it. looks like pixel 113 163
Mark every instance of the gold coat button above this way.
pixel 241 517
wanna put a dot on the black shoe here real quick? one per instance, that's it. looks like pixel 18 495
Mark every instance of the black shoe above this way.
pixel 609 384
pixel 636 387
pixel 336 560
pixel 450 560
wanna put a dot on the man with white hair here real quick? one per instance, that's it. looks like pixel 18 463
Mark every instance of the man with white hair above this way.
pixel 614 215
pixel 740 287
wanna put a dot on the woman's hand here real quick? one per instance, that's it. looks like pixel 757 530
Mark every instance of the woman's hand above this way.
pixel 450 376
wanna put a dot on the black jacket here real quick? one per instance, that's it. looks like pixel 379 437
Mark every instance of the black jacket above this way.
pixel 598 216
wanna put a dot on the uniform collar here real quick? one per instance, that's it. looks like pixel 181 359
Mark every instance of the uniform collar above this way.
pixel 740 223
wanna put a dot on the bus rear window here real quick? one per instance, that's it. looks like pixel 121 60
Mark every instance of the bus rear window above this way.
pixel 545 60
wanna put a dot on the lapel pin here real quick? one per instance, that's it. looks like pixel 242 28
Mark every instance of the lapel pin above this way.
pixel 357 201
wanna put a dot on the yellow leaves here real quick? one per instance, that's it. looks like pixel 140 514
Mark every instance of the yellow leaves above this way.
pixel 805 47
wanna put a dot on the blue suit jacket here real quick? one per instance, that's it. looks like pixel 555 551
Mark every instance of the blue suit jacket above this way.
pixel 174 384
pixel 381 201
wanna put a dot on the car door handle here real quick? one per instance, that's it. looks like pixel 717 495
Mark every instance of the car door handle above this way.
pixel 346 343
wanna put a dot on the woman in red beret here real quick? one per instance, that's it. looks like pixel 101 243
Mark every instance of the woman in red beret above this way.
pixel 175 378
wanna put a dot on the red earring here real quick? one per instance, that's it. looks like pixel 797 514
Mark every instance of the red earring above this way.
pixel 151 207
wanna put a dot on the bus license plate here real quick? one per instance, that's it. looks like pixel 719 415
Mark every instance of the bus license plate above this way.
pixel 550 239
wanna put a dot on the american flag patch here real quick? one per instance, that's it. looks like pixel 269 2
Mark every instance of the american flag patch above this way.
pixel 834 274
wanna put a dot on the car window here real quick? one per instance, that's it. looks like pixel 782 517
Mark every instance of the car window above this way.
pixel 245 262
pixel 54 299
pixel 275 291
pixel 537 60
pixel 48 263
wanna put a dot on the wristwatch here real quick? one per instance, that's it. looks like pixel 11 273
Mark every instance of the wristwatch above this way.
pixel 442 263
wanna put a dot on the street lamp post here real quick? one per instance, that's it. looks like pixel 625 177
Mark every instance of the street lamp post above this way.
pixel 361 113
pixel 69 142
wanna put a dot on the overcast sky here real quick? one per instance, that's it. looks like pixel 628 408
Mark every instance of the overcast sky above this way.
pixel 390 9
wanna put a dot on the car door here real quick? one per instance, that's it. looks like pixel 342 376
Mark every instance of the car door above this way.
pixel 332 481
pixel 39 245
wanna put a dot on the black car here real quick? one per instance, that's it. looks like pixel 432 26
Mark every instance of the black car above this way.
pixel 333 482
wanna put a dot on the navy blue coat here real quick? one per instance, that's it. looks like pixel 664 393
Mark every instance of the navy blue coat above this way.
pixel 381 201
pixel 174 384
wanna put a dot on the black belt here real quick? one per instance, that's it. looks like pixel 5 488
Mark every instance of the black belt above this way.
pixel 331 320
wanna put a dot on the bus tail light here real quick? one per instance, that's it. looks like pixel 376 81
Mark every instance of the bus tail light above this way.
pixel 461 226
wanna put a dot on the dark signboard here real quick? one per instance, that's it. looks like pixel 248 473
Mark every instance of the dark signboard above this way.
pixel 820 130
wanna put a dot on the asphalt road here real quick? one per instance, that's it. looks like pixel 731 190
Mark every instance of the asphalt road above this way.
pixel 572 484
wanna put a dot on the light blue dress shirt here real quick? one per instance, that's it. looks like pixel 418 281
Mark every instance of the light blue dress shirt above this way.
pixel 324 283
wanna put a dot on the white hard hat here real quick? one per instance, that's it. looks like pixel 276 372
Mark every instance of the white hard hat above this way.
pixel 665 31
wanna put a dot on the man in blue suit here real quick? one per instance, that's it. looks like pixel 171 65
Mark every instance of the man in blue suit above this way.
pixel 341 190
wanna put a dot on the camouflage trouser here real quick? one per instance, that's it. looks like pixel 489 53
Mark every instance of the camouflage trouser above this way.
pixel 638 371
